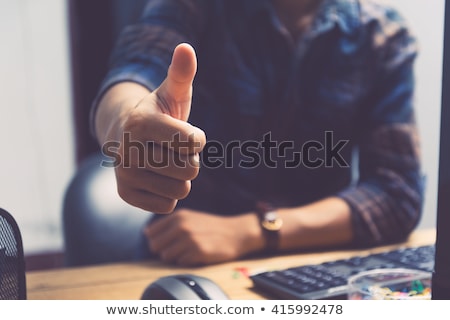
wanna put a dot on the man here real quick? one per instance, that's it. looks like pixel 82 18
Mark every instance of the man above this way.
pixel 287 92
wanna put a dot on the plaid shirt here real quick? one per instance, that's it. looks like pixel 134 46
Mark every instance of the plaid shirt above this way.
pixel 349 78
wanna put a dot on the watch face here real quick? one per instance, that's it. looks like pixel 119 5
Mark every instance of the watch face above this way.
pixel 272 222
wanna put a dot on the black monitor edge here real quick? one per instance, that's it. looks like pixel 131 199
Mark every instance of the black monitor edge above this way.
pixel 441 274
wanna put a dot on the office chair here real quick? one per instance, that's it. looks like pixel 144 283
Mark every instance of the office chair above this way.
pixel 12 260
pixel 98 226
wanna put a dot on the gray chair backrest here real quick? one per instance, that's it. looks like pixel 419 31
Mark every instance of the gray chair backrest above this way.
pixel 99 227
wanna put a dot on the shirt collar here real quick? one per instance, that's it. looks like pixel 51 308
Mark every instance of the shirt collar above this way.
pixel 343 13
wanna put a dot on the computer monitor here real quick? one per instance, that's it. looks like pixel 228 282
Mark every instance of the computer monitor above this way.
pixel 441 275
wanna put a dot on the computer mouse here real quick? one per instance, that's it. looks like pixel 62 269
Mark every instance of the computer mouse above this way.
pixel 183 287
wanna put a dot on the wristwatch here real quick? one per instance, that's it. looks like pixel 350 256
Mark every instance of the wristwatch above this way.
pixel 271 224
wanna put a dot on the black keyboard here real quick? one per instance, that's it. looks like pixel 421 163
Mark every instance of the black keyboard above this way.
pixel 328 280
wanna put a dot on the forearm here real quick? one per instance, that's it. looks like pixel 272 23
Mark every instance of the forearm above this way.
pixel 113 108
pixel 323 223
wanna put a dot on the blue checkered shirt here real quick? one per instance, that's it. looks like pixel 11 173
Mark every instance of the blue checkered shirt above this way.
pixel 348 78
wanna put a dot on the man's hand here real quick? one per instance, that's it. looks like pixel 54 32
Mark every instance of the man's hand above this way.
pixel 158 149
pixel 191 238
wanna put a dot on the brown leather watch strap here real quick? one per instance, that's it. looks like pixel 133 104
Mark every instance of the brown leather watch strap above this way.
pixel 271 224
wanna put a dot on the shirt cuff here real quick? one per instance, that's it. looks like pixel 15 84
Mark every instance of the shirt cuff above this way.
pixel 363 202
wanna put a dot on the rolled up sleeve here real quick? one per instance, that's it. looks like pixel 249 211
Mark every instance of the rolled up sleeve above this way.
pixel 387 200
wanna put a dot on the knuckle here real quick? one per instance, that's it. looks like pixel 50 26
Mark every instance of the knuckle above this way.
pixel 182 190
pixel 196 140
pixel 200 138
pixel 123 175
pixel 124 192
pixel 164 206
pixel 191 172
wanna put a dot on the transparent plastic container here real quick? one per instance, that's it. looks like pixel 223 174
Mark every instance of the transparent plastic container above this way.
pixel 390 284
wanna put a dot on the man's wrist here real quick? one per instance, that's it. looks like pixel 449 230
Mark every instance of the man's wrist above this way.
pixel 271 224
pixel 114 108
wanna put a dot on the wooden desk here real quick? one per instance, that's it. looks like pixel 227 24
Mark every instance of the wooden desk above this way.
pixel 126 281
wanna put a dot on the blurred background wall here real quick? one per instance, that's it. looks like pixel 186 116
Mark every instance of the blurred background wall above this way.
pixel 54 54
pixel 36 124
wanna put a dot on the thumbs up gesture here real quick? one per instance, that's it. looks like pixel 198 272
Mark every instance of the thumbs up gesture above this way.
pixel 158 153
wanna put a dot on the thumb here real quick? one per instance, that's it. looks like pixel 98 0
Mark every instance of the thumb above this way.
pixel 175 93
